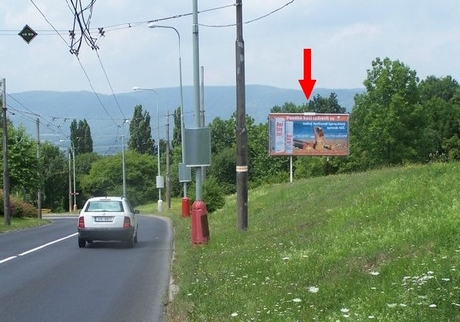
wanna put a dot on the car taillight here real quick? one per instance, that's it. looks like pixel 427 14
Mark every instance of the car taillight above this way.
pixel 127 223
pixel 81 222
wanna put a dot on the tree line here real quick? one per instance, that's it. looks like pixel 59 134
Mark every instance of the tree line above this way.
pixel 398 119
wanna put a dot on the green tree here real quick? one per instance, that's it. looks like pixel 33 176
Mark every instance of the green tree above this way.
pixel 320 104
pixel 140 139
pixel 83 164
pixel 264 168
pixel 223 134
pixel 441 110
pixel 22 162
pixel 54 174
pixel 176 137
pixel 385 121
pixel 444 88
pixel 289 107
pixel 80 137
pixel 106 177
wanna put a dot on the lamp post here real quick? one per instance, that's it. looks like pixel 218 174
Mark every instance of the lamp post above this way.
pixel 123 156
pixel 74 184
pixel 182 125
pixel 159 179
pixel 72 148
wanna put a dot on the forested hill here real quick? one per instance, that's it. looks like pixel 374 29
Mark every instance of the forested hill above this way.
pixel 56 110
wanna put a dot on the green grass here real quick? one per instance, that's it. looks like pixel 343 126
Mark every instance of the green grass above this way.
pixel 375 246
pixel 21 223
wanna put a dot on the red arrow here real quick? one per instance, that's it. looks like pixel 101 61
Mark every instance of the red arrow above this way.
pixel 307 83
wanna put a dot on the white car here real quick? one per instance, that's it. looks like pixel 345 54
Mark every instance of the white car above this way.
pixel 108 219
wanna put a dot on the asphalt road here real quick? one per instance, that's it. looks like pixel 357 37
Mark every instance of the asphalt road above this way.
pixel 44 276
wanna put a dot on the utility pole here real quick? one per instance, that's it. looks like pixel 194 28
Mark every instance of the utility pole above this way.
pixel 168 180
pixel 196 88
pixel 39 193
pixel 241 133
pixel 70 182
pixel 202 120
pixel 74 180
pixel 6 173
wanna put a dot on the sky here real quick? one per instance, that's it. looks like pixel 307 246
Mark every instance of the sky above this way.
pixel 344 38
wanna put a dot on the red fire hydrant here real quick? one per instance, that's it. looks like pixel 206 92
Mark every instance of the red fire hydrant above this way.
pixel 185 207
pixel 200 227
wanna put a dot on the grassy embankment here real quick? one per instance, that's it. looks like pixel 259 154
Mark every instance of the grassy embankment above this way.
pixel 375 246
pixel 21 223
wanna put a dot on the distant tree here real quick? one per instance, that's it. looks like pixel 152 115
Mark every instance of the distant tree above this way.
pixel 317 104
pixel 106 177
pixel 83 164
pixel 22 162
pixel 263 168
pixel 385 121
pixel 441 110
pixel 444 88
pixel 320 104
pixel 80 137
pixel 223 169
pixel 176 137
pixel 54 173
pixel 140 139
pixel 289 107
pixel 223 134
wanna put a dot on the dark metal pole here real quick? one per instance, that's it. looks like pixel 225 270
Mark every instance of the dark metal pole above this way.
pixel 39 193
pixel 70 182
pixel 6 174
pixel 241 133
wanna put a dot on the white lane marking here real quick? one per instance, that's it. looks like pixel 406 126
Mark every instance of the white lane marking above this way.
pixel 7 259
pixel 38 248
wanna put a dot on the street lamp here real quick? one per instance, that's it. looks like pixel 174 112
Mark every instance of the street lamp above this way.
pixel 159 179
pixel 123 156
pixel 72 148
pixel 182 125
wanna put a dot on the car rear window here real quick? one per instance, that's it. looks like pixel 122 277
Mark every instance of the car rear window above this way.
pixel 105 206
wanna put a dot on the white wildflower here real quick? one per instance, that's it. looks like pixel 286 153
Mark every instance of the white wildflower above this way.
pixel 313 289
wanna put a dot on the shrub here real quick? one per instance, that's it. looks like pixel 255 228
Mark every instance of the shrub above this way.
pixel 213 194
pixel 18 208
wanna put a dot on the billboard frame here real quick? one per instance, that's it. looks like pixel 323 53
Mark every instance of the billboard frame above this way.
pixel 309 134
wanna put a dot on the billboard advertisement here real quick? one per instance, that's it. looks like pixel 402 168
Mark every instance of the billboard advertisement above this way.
pixel 314 134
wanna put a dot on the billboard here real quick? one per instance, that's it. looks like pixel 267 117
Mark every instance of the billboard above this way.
pixel 314 134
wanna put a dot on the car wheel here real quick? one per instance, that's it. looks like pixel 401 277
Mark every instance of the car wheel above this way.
pixel 81 242
pixel 130 242
pixel 135 239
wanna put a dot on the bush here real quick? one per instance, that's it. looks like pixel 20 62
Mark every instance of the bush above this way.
pixel 213 194
pixel 18 208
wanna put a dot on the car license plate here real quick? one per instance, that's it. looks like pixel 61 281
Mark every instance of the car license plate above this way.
pixel 103 219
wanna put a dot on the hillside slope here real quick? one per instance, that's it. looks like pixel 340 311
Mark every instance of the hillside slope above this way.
pixel 382 245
